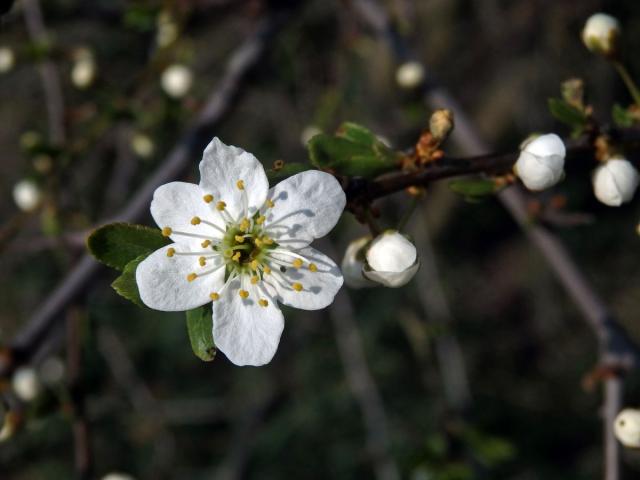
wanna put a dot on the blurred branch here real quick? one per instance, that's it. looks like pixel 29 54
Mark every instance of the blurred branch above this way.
pixel 190 146
pixel 48 72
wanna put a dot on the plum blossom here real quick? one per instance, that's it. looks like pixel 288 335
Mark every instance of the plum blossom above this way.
pixel 615 181
pixel 244 247
pixel 392 260
pixel 541 162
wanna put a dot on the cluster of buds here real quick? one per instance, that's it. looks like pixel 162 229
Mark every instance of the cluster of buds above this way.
pixel 390 260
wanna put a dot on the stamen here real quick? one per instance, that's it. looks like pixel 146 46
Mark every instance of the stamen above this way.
pixel 258 242
pixel 236 257
pixel 244 225
pixel 240 185
pixel 255 279
pixel 171 252
pixel 243 294
pixel 214 296
pixel 185 234
pixel 260 220
pixel 195 221
pixel 266 269
pixel 297 263
pixel 297 286
pixel 313 267
pixel 267 241
pixel 239 238
pixel 208 198
pixel 220 206
pixel 263 302
pixel 166 231
pixel 202 261
pixel 228 253
pixel 211 224
pixel 270 203
pixel 192 276
pixel 254 265
pixel 206 243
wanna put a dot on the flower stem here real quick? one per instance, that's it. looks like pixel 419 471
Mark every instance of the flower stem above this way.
pixel 628 81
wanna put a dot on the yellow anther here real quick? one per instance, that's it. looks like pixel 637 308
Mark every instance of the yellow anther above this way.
pixel 214 296
pixel 236 257
pixel 206 243
pixel 244 224
pixel 260 220
pixel 221 206
pixel 243 294
pixel 195 221
pixel 258 242
pixel 166 231
pixel 254 264
pixel 266 240
pixel 228 253
pixel 313 267
pixel 239 238
pixel 171 252
pixel 192 276
pixel 297 263
pixel 208 198
pixel 263 302
pixel 266 270
pixel 240 185
pixel 255 279
pixel 297 286
pixel 202 261
pixel 270 203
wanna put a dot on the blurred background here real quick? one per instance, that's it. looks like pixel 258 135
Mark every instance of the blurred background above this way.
pixel 479 368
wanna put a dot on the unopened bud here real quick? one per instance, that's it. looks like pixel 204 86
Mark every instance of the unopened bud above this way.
pixel 27 195
pixel 626 427
pixel 600 34
pixel 84 69
pixel 142 145
pixel 541 162
pixel 353 263
pixel 308 133
pixel 615 182
pixel 176 80
pixel 410 75
pixel 392 260
pixel 7 59
pixel 117 476
pixel 441 124
pixel 26 384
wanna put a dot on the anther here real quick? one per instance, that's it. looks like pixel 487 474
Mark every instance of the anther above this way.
pixel 313 267
pixel 202 261
pixel 171 252
pixel 208 198
pixel 270 203
pixel 221 206
pixel 260 220
pixel 206 243
pixel 297 263
pixel 214 296
pixel 263 302
pixel 266 240
pixel 255 279
pixel 239 238
pixel 257 242
pixel 166 231
pixel 254 265
pixel 244 224
pixel 195 221
pixel 297 286
pixel 240 185
pixel 243 294
pixel 236 257
pixel 192 276
pixel 266 270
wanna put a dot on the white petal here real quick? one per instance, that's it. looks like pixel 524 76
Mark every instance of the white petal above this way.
pixel 175 204
pixel 246 332
pixel 392 279
pixel 546 145
pixel 163 285
pixel 307 206
pixel 319 287
pixel 615 182
pixel 353 262
pixel 539 173
pixel 391 252
pixel 221 168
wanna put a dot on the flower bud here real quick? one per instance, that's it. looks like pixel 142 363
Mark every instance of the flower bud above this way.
pixel 541 162
pixel 27 195
pixel 142 145
pixel 83 72
pixel 615 182
pixel 626 427
pixel 600 34
pixel 441 124
pixel 176 80
pixel 392 260
pixel 410 75
pixel 353 262
pixel 308 133
pixel 7 59
pixel 26 384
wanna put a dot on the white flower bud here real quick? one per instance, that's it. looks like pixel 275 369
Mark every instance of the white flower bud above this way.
pixel 27 195
pixel 7 59
pixel 615 182
pixel 176 80
pixel 308 133
pixel 117 476
pixel 541 162
pixel 626 427
pixel 84 69
pixel 600 34
pixel 26 384
pixel 410 75
pixel 142 145
pixel 353 262
pixel 392 260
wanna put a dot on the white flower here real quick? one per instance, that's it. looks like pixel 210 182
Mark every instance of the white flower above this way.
pixel 353 263
pixel 627 427
pixel 615 182
pixel 541 162
pixel 142 145
pixel 600 33
pixel 26 384
pixel 7 59
pixel 245 247
pixel 176 80
pixel 410 75
pixel 27 195
pixel 392 260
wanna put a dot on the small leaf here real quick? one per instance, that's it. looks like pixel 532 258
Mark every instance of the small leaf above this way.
pixel 621 116
pixel 567 114
pixel 473 188
pixel 118 244
pixel 357 134
pixel 126 285
pixel 200 328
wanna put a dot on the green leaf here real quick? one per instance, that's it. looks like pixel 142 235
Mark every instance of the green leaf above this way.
pixel 621 116
pixel 474 188
pixel 567 114
pixel 353 150
pixel 126 285
pixel 118 244
pixel 200 328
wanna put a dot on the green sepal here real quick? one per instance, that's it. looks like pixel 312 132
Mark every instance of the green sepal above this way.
pixel 200 329
pixel 125 285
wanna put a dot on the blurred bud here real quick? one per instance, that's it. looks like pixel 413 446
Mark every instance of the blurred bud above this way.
pixel 142 145
pixel 176 80
pixel 51 371
pixel 573 92
pixel 30 139
pixel 9 425
pixel 308 133
pixel 7 59
pixel 117 476
pixel 26 384
pixel 27 195
pixel 353 262
pixel 615 182
pixel 167 30
pixel 441 124
pixel 43 163
pixel 410 75
pixel 392 260
pixel 84 69
pixel 627 427
pixel 541 162
pixel 600 34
